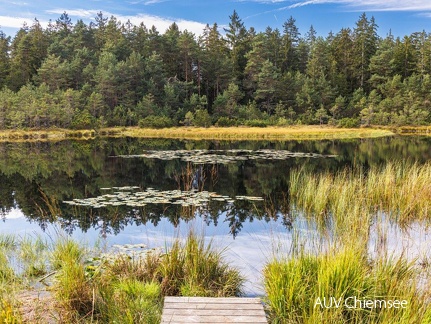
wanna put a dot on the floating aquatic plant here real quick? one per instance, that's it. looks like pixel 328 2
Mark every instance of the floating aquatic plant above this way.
pixel 129 196
pixel 224 156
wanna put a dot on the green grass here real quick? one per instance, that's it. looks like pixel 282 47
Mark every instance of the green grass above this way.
pixel 195 269
pixel 129 289
pixel 294 286
pixel 353 197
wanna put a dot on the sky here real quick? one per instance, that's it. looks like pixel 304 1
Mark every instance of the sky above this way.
pixel 399 17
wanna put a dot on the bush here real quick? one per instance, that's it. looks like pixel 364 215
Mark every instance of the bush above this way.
pixel 156 122
pixel 257 123
pixel 226 122
pixel 202 118
pixel 348 123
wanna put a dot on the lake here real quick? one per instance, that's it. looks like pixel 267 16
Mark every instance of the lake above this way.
pixel 236 193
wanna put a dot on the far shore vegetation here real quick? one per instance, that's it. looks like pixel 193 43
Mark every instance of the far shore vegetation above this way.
pixel 304 132
pixel 112 73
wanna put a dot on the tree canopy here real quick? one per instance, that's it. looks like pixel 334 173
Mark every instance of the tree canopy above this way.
pixel 110 73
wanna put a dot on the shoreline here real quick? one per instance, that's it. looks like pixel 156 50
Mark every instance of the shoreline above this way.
pixel 211 133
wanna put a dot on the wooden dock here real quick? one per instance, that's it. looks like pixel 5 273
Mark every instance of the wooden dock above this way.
pixel 212 310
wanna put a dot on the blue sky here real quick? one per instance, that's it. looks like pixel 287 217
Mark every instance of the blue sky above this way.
pixel 402 17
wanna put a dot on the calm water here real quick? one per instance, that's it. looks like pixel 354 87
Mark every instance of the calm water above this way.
pixel 37 178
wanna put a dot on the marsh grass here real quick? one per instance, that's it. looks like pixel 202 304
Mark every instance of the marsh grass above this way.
pixel 9 281
pixel 400 190
pixel 248 133
pixel 33 253
pixel 194 268
pixel 293 285
pixel 124 288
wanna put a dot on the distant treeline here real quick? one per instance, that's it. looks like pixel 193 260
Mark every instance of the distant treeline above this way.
pixel 110 73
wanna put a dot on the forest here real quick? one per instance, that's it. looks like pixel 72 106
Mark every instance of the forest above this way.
pixel 110 73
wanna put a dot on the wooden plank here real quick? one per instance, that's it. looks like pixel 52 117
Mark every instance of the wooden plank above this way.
pixel 212 310
pixel 213 319
pixel 213 300
pixel 211 306
pixel 221 312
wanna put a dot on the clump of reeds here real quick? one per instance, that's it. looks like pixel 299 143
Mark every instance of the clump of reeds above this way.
pixel 195 269
pixel 295 286
pixel 8 281
pixel 129 289
pixel 72 288
pixel 351 197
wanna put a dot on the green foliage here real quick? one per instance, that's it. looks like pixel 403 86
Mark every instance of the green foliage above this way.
pixel 348 123
pixel 257 123
pixel 202 118
pixel 156 122
pixel 226 122
pixel 116 74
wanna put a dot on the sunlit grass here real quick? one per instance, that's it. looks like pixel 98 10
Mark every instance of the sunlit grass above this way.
pixel 249 133
pixel 54 134
pixel 294 286
pixel 196 269
pixel 352 197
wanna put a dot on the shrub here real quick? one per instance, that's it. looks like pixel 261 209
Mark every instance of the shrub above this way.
pixel 226 122
pixel 348 123
pixel 156 122
pixel 256 123
pixel 202 118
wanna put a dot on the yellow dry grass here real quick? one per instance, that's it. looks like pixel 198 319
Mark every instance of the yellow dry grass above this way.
pixel 249 133
pixel 44 135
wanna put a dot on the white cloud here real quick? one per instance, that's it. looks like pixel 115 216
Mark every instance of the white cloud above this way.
pixel 160 23
pixel 18 22
pixel 376 5
pixel 147 2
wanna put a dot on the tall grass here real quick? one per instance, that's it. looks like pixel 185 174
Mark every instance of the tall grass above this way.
pixel 248 133
pixel 296 286
pixel 8 281
pixel 129 289
pixel 196 269
pixel 352 197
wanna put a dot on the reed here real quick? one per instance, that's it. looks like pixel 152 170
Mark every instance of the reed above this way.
pixel 195 269
pixel 295 288
pixel 352 196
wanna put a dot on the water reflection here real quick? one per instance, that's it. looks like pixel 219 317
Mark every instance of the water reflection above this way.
pixel 37 178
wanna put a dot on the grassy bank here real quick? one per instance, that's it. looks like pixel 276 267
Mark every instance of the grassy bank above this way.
pixel 86 286
pixel 249 133
pixel 196 133
pixel 44 135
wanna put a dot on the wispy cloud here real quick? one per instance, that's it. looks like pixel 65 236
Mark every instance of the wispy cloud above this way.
pixel 160 23
pixel 376 5
pixel 421 6
pixel 18 22
pixel 147 2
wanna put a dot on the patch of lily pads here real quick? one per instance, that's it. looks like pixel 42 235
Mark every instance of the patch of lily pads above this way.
pixel 132 197
pixel 224 156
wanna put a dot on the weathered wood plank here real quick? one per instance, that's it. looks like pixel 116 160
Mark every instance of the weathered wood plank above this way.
pixel 212 310
pixel 221 312
pixel 212 306
pixel 213 319
pixel 213 300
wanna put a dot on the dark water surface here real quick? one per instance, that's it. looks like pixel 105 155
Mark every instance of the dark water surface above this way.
pixel 37 178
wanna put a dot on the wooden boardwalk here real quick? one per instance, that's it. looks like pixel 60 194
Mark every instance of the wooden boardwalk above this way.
pixel 212 310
